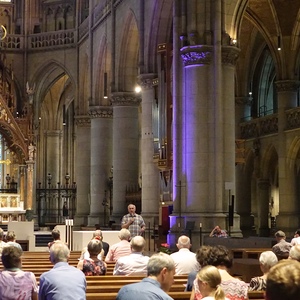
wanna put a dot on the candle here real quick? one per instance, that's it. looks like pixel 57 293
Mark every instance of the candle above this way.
pixel 200 225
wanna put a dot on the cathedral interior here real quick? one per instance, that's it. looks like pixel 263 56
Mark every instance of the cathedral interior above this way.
pixel 187 109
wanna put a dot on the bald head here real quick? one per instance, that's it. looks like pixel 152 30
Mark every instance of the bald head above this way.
pixel 137 244
pixel 184 242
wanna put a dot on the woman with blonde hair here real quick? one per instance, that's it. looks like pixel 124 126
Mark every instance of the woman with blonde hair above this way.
pixel 209 280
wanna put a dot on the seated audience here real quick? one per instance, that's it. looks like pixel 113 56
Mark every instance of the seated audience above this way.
pixel 56 237
pixel 134 263
pixel 11 240
pixel 295 253
pixel 209 282
pixel 235 289
pixel 119 249
pixel 92 265
pixel 218 232
pixel 185 260
pixel 2 243
pixel 160 272
pixel 282 248
pixel 62 281
pixel 283 281
pixel 15 283
pixel 201 257
pixel 296 239
pixel 97 234
pixel 267 260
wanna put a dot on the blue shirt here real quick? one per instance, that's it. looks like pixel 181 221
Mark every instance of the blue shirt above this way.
pixel 147 289
pixel 62 282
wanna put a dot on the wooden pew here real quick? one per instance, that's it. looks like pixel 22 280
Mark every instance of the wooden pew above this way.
pixel 258 295
pixel 112 296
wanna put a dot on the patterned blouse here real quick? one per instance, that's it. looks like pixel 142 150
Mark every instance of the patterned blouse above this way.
pixel 257 284
pixel 91 267
pixel 234 289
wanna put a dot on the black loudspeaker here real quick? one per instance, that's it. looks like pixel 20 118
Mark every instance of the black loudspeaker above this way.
pixel 231 211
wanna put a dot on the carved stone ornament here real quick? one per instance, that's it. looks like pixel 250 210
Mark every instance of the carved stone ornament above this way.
pixel 230 55
pixel 146 81
pixel 125 99
pixel 243 100
pixel 83 121
pixel 287 85
pixel 196 55
pixel 101 112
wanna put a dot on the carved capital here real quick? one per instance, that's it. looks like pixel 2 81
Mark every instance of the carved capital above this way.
pixel 287 85
pixel 230 55
pixel 101 112
pixel 196 55
pixel 125 99
pixel 147 81
pixel 83 121
pixel 243 101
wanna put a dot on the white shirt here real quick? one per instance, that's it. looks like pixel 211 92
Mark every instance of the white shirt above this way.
pixel 295 241
pixel 133 264
pixel 185 261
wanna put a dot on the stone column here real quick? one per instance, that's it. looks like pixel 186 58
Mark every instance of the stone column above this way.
pixel 150 182
pixel 263 207
pixel 288 202
pixel 29 187
pixel 125 148
pixel 83 167
pixel 101 162
pixel 53 154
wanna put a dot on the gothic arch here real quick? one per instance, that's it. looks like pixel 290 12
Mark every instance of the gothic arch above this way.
pixel 269 161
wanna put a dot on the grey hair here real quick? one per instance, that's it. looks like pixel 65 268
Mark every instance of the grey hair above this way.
pixel 268 259
pixel 159 261
pixel 124 234
pixel 94 247
pixel 97 232
pixel 59 252
pixel 295 252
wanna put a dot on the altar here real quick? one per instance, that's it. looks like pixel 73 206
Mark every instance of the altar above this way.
pixel 82 238
pixel 11 208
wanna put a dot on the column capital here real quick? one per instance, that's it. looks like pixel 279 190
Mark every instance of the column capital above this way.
pixel 83 121
pixel 101 112
pixel 196 55
pixel 287 85
pixel 230 55
pixel 125 99
pixel 263 184
pixel 243 100
pixel 146 81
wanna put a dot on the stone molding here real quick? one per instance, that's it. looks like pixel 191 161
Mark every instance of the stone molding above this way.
pixel 146 81
pixel 287 85
pixel 125 99
pixel 196 55
pixel 83 121
pixel 243 100
pixel 101 112
pixel 230 55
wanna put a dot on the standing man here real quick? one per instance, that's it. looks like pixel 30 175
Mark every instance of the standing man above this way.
pixel 160 278
pixel 62 281
pixel 133 222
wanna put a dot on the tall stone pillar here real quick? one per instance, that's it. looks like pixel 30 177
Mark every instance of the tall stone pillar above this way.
pixel 263 207
pixel 207 120
pixel 29 187
pixel 150 180
pixel 125 148
pixel 101 162
pixel 83 167
pixel 288 202
pixel 53 154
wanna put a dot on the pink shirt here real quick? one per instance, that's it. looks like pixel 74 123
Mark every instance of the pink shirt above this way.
pixel 118 250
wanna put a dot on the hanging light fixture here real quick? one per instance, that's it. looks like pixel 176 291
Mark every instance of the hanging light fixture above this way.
pixel 105 86
pixel 278 43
